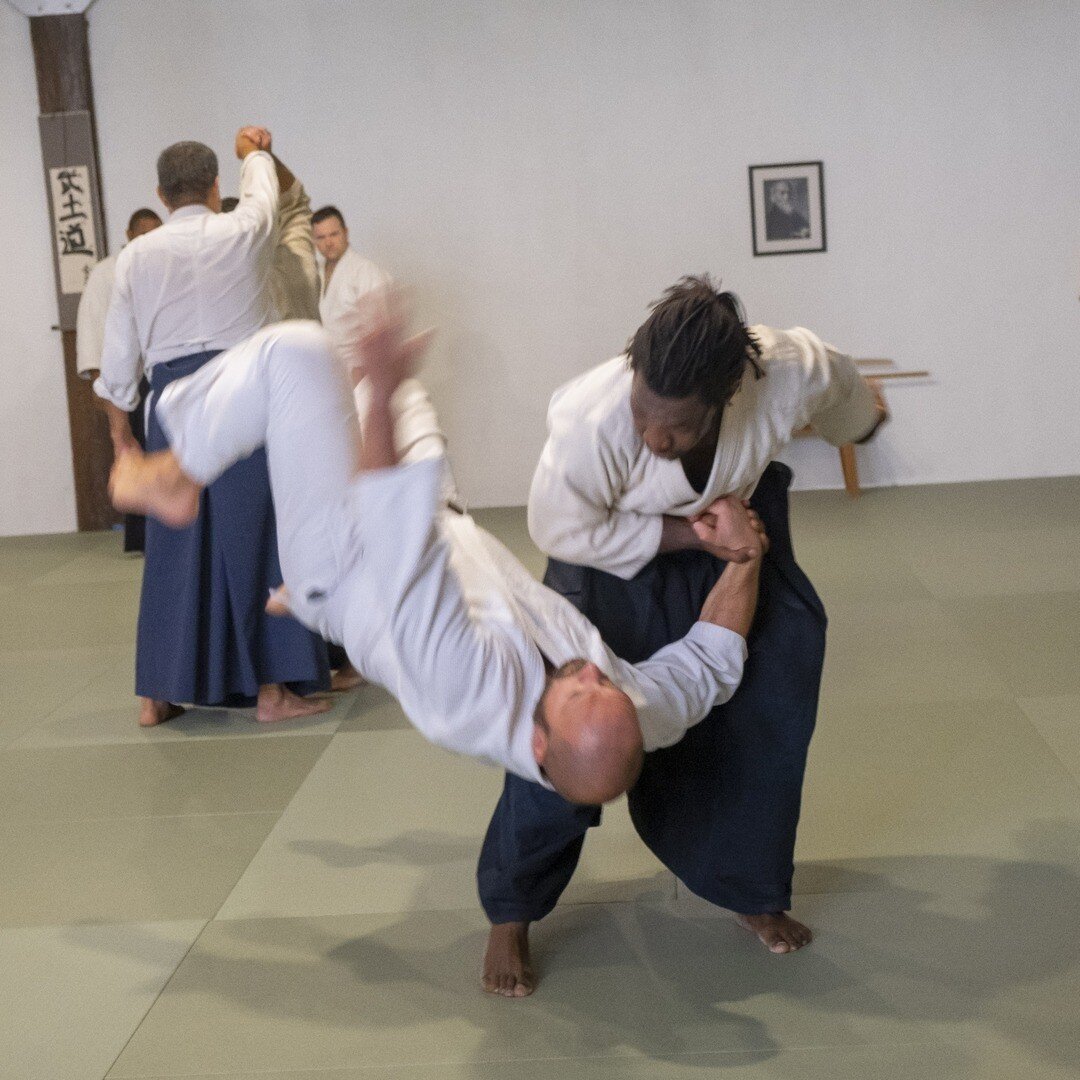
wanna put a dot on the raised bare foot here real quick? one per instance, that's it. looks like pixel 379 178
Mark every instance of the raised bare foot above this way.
pixel 277 702
pixel 507 967
pixel 153 484
pixel 778 931
pixel 346 678
pixel 153 712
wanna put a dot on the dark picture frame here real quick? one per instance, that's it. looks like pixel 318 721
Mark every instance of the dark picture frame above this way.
pixel 787 208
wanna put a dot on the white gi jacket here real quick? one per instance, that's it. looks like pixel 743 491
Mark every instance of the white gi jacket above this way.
pixel 197 283
pixel 90 319
pixel 442 615
pixel 339 302
pixel 599 495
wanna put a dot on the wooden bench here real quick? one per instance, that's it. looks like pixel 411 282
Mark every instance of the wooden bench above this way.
pixel 885 369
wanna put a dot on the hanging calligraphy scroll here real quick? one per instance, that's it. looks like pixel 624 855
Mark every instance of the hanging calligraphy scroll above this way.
pixel 78 234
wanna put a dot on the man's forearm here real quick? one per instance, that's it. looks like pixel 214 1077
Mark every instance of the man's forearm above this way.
pixel 119 425
pixel 378 449
pixel 677 535
pixel 733 599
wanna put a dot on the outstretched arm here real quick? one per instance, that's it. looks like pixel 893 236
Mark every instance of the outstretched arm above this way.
pixel 389 358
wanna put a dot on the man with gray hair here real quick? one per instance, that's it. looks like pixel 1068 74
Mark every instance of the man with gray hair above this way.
pixel 194 287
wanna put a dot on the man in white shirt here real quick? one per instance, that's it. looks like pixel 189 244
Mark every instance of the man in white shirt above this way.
pixel 346 278
pixel 90 337
pixel 484 660
pixel 194 287
pixel 635 500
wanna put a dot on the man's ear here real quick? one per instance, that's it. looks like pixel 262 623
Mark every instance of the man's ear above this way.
pixel 539 744
pixel 164 201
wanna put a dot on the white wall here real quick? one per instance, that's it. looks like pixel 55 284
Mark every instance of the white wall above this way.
pixel 37 492
pixel 540 172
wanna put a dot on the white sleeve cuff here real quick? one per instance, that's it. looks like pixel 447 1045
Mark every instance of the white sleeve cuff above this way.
pixel 123 397
pixel 719 641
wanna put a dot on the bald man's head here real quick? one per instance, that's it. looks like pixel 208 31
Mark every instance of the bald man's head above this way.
pixel 587 737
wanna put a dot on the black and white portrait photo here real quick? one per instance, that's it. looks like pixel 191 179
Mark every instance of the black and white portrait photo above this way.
pixel 787 208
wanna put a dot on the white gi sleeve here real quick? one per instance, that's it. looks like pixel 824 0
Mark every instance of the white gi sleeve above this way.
pixel 836 401
pixel 90 320
pixel 256 212
pixel 121 353
pixel 682 683
pixel 294 277
pixel 572 501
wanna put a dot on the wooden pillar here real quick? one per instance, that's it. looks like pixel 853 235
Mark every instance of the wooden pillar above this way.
pixel 62 64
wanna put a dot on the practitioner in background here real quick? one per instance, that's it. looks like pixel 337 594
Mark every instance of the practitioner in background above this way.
pixel 635 500
pixel 90 336
pixel 346 278
pixel 196 286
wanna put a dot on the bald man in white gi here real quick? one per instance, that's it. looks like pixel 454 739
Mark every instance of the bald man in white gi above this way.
pixel 484 660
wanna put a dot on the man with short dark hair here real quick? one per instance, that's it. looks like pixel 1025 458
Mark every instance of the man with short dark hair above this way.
pixel 346 278
pixel 184 293
pixel 635 500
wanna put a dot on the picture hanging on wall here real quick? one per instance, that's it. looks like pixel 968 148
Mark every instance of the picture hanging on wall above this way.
pixel 787 208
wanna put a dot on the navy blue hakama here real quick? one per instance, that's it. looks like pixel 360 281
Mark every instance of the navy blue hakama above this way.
pixel 204 636
pixel 720 808
pixel 135 524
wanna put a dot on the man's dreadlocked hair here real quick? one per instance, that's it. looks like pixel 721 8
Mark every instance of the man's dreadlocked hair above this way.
pixel 695 343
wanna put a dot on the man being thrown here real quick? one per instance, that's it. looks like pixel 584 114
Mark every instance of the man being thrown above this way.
pixel 635 501
pixel 483 659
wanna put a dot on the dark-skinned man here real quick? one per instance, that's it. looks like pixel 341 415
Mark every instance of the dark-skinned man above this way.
pixel 636 501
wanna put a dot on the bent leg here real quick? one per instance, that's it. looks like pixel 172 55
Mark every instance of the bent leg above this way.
pixel 530 851
pixel 282 389
pixel 531 848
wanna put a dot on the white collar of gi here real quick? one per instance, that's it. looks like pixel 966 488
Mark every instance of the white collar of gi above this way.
pixel 190 211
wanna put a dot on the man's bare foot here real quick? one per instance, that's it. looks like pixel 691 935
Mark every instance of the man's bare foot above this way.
pixel 153 712
pixel 153 484
pixel 277 702
pixel 778 932
pixel 346 678
pixel 507 966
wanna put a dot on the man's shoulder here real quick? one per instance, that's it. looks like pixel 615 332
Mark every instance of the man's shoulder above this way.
pixel 780 345
pixel 360 270
pixel 102 274
pixel 597 400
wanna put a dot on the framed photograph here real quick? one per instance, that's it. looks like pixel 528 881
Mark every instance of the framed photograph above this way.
pixel 787 208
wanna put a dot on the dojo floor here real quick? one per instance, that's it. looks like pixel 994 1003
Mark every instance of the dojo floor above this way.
pixel 217 899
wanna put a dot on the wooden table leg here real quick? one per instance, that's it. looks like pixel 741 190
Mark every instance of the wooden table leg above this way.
pixel 851 469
